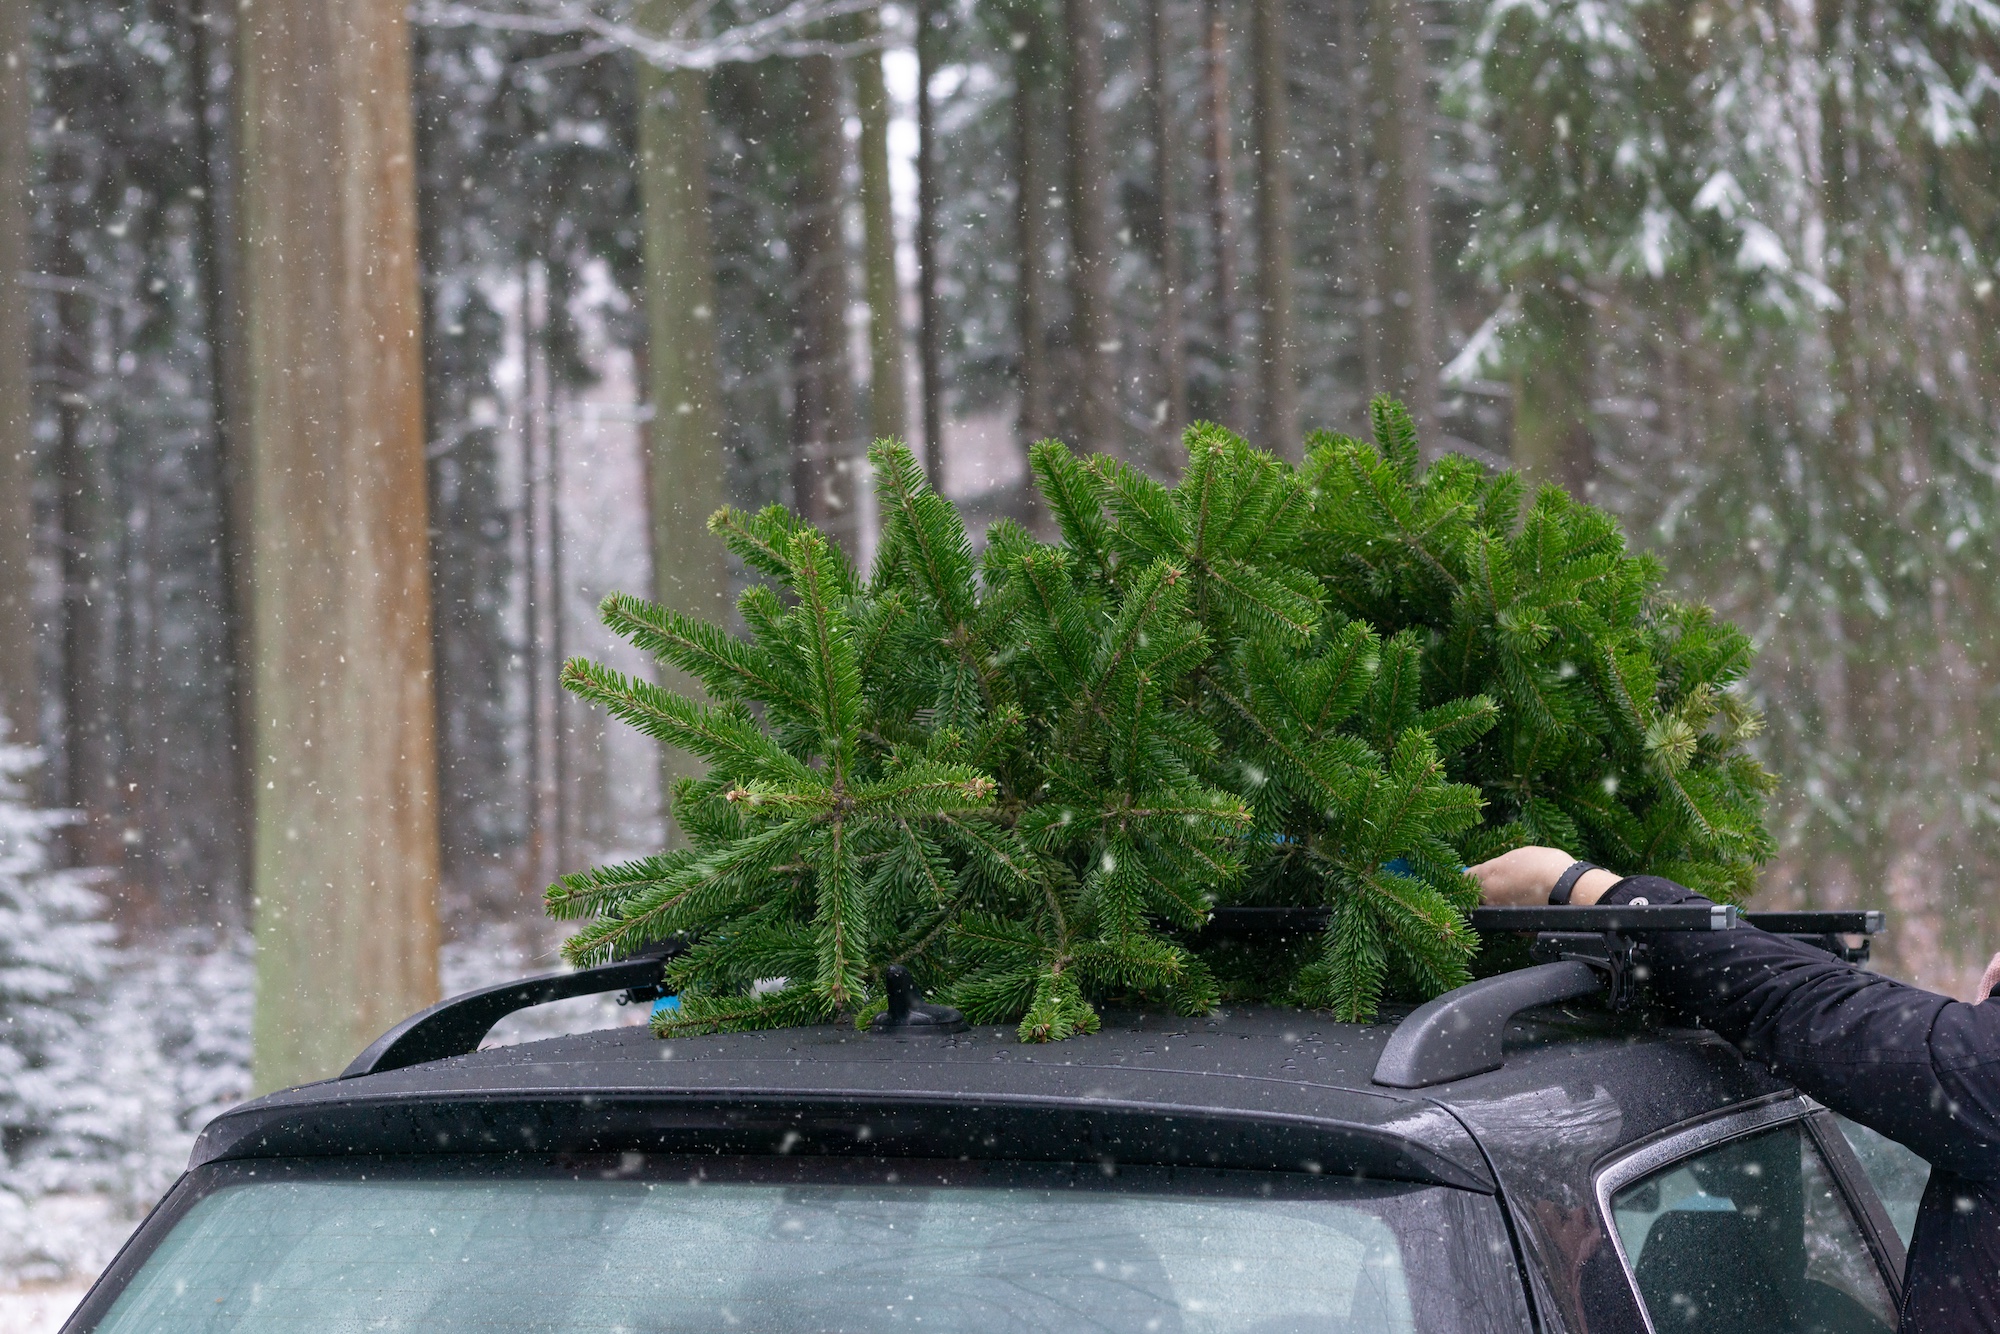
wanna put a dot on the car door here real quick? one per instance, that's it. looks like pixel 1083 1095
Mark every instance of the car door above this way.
pixel 1757 1222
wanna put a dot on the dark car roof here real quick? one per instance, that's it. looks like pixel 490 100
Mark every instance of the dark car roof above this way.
pixel 1252 1087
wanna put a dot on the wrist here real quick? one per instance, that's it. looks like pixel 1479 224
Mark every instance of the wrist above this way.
pixel 1593 885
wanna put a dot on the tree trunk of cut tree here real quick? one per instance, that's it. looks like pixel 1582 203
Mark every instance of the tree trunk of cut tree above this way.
pixel 1172 408
pixel 1222 214
pixel 20 701
pixel 1090 279
pixel 346 840
pixel 685 464
pixel 826 471
pixel 1031 203
pixel 886 378
pixel 1552 387
pixel 1277 365
pixel 1404 291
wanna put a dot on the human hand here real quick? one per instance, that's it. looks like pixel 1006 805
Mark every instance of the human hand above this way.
pixel 1523 878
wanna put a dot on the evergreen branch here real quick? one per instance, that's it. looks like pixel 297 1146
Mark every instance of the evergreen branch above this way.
pixel 1075 496
pixel 675 901
pixel 1457 723
pixel 930 537
pixel 836 679
pixel 926 788
pixel 1285 600
pixel 786 1007
pixel 726 665
pixel 1148 521
pixel 765 542
pixel 727 740
pixel 841 925
pixel 588 893
pixel 1057 1011
pixel 1155 593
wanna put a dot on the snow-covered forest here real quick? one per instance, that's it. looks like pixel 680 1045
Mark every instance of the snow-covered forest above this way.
pixel 1726 267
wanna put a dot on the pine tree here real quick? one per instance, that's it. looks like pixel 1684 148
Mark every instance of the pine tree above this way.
pixel 1621 725
pixel 1321 727
pixel 1029 778
pixel 54 951
pixel 993 790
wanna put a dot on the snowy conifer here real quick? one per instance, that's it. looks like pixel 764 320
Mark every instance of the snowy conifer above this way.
pixel 53 954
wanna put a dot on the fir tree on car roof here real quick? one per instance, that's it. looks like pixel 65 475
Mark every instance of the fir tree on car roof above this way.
pixel 1031 776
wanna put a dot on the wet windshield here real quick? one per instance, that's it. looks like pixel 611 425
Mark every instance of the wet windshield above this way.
pixel 869 1247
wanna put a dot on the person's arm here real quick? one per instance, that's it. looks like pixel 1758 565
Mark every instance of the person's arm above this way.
pixel 1918 1067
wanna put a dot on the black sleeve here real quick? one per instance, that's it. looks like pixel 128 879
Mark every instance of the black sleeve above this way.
pixel 1921 1068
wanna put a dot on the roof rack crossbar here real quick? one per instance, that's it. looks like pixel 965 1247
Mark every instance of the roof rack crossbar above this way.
pixel 1836 922
pixel 456 1026
pixel 1612 917
pixel 1616 917
pixel 1459 1034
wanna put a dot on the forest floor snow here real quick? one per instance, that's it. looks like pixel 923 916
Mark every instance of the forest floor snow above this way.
pixel 63 1216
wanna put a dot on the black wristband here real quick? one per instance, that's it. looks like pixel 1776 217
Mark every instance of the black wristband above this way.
pixel 1566 882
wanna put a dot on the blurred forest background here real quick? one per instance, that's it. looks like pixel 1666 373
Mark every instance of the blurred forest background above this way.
pixel 1725 267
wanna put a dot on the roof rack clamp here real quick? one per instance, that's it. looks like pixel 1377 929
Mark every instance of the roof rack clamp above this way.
pixel 1624 962
pixel 907 1015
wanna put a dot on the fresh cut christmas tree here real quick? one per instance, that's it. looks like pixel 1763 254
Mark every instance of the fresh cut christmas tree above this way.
pixel 1030 777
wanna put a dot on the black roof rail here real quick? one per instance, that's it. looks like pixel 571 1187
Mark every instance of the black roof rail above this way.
pixel 1582 951
pixel 1459 1034
pixel 457 1025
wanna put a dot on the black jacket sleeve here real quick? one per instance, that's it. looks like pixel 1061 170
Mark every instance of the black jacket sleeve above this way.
pixel 1921 1068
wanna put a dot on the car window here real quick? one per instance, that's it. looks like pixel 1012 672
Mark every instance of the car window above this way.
pixel 1751 1237
pixel 904 1248
pixel 1898 1175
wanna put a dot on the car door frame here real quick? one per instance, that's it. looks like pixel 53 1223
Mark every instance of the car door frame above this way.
pixel 1678 1143
pixel 1861 1194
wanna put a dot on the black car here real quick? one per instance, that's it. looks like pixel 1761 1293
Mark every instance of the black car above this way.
pixel 1515 1156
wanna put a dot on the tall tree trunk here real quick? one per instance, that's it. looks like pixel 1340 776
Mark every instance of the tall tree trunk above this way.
pixel 216 254
pixel 1355 71
pixel 1090 281
pixel 1841 162
pixel 20 702
pixel 685 464
pixel 346 843
pixel 1404 309
pixel 83 491
pixel 1552 386
pixel 930 320
pixel 1031 203
pixel 1222 212
pixel 1277 366
pixel 825 463
pixel 538 541
pixel 886 378
pixel 1172 408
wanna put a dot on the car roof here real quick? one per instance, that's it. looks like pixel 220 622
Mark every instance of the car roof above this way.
pixel 1246 1086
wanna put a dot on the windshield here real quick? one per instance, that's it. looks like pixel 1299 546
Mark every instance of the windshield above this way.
pixel 631 1245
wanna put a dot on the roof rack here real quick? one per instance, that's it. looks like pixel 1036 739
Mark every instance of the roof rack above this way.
pixel 1266 922
pixel 457 1025
pixel 1460 1034
pixel 1580 952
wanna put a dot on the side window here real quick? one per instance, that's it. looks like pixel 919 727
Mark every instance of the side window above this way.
pixel 1750 1237
pixel 1898 1175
